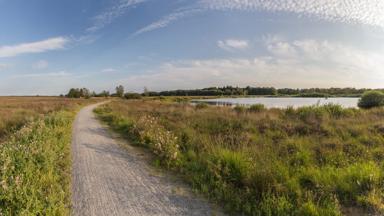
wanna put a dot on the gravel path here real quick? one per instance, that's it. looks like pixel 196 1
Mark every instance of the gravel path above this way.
pixel 110 180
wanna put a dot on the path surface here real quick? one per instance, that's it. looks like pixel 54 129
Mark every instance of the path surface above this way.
pixel 110 180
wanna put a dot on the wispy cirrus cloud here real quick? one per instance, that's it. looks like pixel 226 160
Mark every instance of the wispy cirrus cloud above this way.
pixel 369 12
pixel 34 47
pixel 106 17
pixel 366 12
pixel 39 75
pixel 233 44
pixel 166 20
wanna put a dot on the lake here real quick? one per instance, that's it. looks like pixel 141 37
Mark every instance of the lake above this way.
pixel 284 102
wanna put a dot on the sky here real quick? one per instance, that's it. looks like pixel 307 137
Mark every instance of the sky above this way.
pixel 49 46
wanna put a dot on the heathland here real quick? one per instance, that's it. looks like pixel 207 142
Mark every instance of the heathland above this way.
pixel 35 137
pixel 318 160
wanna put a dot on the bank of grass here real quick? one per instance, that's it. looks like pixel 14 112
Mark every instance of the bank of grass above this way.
pixel 17 111
pixel 35 155
pixel 307 161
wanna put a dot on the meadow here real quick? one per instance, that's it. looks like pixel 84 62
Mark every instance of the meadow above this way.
pixel 35 163
pixel 318 160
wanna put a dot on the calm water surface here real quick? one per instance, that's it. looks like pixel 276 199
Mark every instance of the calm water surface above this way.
pixel 281 102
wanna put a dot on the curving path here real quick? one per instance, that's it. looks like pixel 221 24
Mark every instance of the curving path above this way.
pixel 110 180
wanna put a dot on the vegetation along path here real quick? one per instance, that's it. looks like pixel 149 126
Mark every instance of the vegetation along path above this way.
pixel 110 180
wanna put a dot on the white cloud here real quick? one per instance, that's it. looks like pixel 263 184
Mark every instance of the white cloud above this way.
pixel 34 47
pixel 39 75
pixel 233 44
pixel 42 64
pixel 309 63
pixel 369 12
pixel 107 16
pixel 109 70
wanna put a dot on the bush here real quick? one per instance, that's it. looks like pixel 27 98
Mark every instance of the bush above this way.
pixel 371 99
pixel 132 96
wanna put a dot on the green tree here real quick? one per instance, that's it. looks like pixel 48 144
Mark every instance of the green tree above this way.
pixel 104 94
pixel 73 93
pixel 79 93
pixel 120 91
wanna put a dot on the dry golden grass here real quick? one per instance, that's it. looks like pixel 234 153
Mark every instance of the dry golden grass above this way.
pixel 16 111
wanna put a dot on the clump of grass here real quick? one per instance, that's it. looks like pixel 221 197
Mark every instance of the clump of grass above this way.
pixel 314 160
pixel 257 108
pixel 239 109
pixel 201 105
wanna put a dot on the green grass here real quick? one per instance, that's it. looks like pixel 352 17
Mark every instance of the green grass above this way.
pixel 35 160
pixel 319 160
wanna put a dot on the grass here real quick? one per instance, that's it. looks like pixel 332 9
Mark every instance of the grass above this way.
pixel 17 111
pixel 35 160
pixel 319 160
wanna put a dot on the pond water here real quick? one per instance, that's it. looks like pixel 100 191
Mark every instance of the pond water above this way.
pixel 272 102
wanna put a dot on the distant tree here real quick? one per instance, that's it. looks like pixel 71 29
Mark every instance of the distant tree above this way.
pixel 85 93
pixel 371 99
pixel 120 91
pixel 104 94
pixel 146 92
pixel 131 96
pixel 78 93
pixel 73 93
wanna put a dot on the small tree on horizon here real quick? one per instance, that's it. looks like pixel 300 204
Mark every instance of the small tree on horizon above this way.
pixel 146 92
pixel 120 91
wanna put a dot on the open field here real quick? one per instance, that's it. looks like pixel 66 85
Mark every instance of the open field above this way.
pixel 308 161
pixel 35 154
pixel 16 111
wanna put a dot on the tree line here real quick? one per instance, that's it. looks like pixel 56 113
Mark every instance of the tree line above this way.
pixel 86 93
pixel 264 91
pixel 224 91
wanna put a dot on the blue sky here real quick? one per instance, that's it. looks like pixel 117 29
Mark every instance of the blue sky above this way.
pixel 49 46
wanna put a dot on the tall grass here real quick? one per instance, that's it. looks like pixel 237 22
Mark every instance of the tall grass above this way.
pixel 17 111
pixel 35 155
pixel 318 160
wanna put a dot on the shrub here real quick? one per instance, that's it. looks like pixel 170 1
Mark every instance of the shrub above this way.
pixel 257 108
pixel 371 99
pixel 132 96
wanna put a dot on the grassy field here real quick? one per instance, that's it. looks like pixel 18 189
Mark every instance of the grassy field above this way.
pixel 35 134
pixel 308 161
